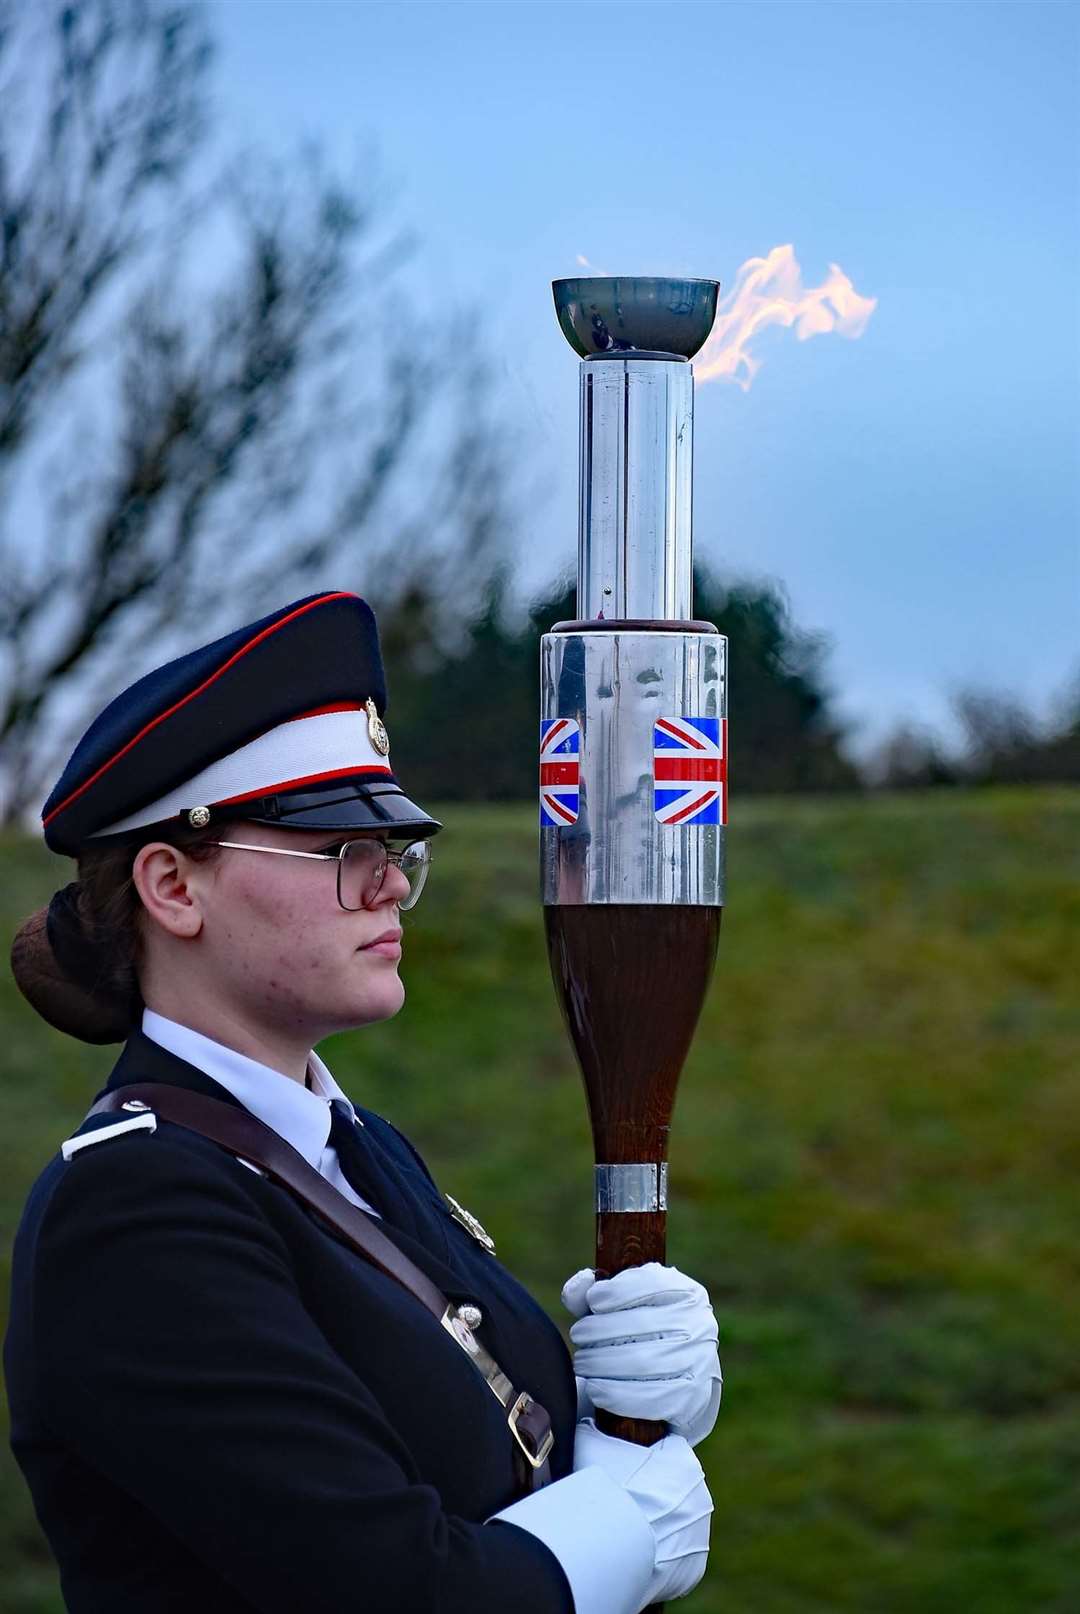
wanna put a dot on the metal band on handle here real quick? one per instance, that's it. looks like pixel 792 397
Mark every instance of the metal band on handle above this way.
pixel 632 1188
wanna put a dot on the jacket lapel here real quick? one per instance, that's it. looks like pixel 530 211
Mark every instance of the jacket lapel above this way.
pixel 144 1060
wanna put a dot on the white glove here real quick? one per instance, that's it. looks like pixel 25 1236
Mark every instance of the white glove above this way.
pixel 668 1485
pixel 646 1347
pixel 630 1525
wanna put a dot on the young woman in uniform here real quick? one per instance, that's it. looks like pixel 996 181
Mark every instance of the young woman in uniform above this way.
pixel 220 1399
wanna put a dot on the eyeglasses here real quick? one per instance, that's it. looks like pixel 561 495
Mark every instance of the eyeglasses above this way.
pixel 361 868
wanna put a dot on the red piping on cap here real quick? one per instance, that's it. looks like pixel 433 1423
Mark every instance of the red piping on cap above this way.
pixel 308 779
pixel 324 599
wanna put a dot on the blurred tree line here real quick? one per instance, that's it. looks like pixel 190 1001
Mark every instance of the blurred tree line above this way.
pixel 1003 742
pixel 216 393
pixel 464 720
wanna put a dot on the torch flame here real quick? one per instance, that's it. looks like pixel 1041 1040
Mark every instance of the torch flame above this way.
pixel 769 291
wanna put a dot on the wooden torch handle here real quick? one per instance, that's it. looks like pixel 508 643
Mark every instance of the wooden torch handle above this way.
pixel 630 980
pixel 629 1240
pixel 642 1431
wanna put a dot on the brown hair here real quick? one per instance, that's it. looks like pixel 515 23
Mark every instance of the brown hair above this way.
pixel 77 961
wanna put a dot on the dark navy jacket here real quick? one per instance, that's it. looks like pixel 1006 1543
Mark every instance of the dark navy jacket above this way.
pixel 218 1406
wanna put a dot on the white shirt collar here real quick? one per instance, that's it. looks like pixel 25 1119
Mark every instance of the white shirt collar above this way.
pixel 298 1114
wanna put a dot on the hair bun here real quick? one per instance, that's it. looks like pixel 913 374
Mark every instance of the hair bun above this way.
pixel 54 961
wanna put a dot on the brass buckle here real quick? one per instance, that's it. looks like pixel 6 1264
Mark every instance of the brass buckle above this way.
pixel 525 1400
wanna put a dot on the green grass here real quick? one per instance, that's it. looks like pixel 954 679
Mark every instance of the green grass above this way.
pixel 874 1169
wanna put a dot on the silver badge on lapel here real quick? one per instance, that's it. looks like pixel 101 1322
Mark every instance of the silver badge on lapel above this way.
pixel 469 1222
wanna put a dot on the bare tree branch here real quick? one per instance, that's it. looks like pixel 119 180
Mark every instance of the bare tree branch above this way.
pixel 235 421
pixel 126 106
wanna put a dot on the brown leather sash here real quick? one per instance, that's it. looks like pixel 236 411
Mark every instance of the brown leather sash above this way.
pixel 242 1134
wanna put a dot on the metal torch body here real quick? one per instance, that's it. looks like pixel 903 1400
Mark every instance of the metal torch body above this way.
pixel 633 761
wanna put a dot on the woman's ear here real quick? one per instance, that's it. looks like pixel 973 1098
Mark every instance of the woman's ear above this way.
pixel 162 877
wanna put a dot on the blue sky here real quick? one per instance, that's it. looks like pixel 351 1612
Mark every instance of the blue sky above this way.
pixel 916 491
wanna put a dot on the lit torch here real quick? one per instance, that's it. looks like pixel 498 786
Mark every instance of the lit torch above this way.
pixel 633 762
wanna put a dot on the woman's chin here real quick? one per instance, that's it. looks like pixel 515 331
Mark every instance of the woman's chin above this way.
pixel 381 1005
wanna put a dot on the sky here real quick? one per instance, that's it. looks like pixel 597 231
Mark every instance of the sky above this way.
pixel 916 492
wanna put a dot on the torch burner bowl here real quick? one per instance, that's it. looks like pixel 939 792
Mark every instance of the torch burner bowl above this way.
pixel 635 314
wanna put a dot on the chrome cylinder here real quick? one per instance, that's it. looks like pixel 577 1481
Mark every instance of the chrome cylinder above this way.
pixel 633 766
pixel 636 488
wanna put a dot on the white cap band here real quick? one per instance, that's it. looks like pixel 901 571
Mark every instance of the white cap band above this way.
pixel 303 751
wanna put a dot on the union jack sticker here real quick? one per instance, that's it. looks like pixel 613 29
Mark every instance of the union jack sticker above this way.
pixel 560 754
pixel 690 770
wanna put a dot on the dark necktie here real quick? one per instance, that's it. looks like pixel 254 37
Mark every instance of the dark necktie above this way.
pixel 365 1165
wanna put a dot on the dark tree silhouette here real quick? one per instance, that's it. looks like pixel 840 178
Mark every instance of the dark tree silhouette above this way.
pixel 1006 744
pixel 911 758
pixel 784 736
pixel 465 727
pixel 1003 742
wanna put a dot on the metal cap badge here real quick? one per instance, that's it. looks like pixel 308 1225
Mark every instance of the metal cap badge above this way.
pixel 376 729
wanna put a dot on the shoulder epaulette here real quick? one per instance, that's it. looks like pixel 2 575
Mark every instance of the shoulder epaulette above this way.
pixel 136 1123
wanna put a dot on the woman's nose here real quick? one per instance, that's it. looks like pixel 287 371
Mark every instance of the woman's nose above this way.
pixel 394 886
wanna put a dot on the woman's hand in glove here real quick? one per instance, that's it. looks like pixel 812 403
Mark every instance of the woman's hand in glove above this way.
pixel 630 1525
pixel 645 1347
pixel 667 1483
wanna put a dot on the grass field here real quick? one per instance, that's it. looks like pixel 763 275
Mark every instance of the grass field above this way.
pixel 874 1168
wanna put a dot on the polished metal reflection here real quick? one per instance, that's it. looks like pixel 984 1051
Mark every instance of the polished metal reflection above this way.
pixel 636 487
pixel 615 684
pixel 632 1187
pixel 606 314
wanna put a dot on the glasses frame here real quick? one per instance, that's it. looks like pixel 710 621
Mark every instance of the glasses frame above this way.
pixel 391 855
